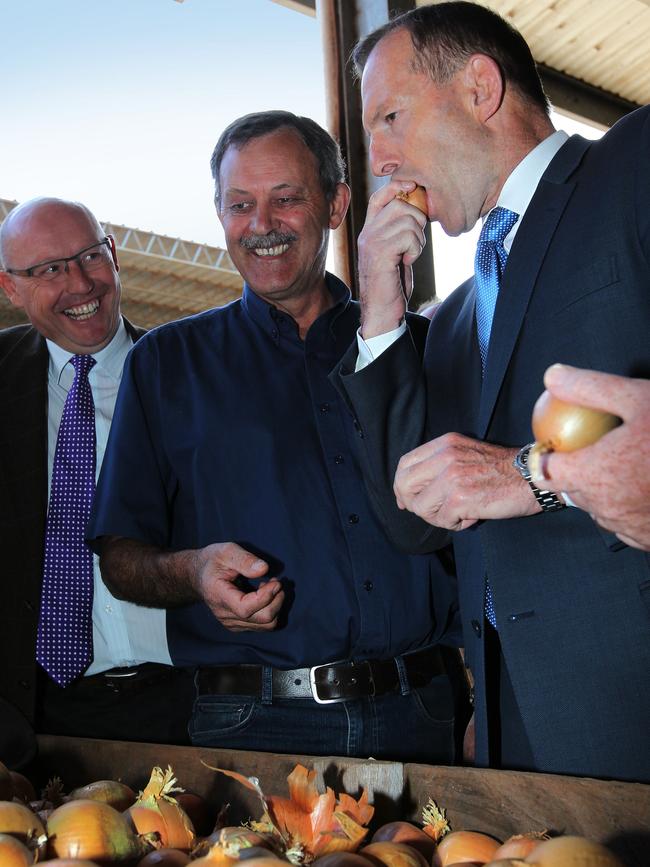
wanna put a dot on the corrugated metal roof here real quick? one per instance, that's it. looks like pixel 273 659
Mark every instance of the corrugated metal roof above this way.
pixel 601 42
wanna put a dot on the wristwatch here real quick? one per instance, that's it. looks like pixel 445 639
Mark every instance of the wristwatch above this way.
pixel 547 499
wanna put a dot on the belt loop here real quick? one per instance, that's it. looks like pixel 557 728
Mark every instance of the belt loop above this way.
pixel 404 685
pixel 267 684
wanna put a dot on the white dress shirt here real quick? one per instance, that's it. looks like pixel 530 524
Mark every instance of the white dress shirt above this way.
pixel 123 634
pixel 515 195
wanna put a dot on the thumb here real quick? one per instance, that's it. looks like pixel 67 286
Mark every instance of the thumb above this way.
pixel 243 562
pixel 590 388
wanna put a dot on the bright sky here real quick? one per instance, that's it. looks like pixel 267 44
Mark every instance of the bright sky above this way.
pixel 119 103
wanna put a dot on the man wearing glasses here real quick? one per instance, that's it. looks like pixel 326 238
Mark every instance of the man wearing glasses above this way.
pixel 76 661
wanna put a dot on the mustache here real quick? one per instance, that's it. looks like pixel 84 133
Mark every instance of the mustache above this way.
pixel 264 242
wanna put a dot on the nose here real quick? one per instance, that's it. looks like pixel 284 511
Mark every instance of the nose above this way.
pixel 382 162
pixel 78 281
pixel 263 219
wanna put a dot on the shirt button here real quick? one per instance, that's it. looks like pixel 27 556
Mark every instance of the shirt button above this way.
pixel 274 333
pixel 476 626
pixel 367 586
pixel 24 683
pixel 108 609
pixel 28 605
pixel 353 519
pixel 324 407
pixel 339 459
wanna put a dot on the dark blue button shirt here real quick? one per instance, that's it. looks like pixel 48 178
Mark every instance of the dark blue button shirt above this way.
pixel 227 428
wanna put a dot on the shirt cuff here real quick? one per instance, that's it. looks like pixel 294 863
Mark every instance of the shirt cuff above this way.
pixel 372 348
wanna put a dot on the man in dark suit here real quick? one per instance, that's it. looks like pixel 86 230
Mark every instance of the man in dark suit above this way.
pixel 62 270
pixel 555 609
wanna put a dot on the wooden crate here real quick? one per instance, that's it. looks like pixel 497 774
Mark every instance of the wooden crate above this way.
pixel 497 802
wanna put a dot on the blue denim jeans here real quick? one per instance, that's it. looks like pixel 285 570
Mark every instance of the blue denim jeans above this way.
pixel 414 727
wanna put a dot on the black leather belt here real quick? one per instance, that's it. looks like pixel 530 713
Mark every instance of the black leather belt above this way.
pixel 333 682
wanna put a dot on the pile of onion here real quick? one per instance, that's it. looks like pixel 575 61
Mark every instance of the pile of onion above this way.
pixel 156 810
pixel 23 824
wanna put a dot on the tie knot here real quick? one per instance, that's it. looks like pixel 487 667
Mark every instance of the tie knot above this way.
pixel 499 222
pixel 83 364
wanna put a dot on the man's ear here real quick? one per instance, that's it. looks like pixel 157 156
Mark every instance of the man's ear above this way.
pixel 339 205
pixel 484 80
pixel 114 252
pixel 9 287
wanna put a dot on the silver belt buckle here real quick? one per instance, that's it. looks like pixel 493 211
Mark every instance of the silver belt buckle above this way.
pixel 314 685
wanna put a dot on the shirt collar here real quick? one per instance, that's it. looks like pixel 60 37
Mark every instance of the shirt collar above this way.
pixel 267 315
pixel 520 186
pixel 110 358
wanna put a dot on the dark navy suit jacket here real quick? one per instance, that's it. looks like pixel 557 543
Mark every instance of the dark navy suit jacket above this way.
pixel 572 603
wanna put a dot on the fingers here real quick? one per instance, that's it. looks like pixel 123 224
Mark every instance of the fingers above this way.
pixel 605 391
pixel 240 561
pixel 256 611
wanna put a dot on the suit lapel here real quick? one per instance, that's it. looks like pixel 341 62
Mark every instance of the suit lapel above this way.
pixel 23 430
pixel 529 249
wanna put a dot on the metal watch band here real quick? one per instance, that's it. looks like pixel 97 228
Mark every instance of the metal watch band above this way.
pixel 548 501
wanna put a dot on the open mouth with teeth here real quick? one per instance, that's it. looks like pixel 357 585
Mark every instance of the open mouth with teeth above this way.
pixel 271 251
pixel 83 311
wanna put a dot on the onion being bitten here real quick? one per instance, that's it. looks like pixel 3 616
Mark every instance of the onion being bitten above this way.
pixel 563 427
pixel 417 198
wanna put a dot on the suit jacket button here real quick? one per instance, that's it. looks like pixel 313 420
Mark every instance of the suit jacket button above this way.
pixel 476 626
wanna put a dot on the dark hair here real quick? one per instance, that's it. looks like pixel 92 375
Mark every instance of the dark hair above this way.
pixel 445 36
pixel 331 166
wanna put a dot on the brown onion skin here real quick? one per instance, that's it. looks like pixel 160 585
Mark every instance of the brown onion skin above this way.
pixel 165 858
pixel 572 851
pixel 465 847
pixel 392 854
pixel 562 427
pixel 165 818
pixel 417 198
pixel 406 832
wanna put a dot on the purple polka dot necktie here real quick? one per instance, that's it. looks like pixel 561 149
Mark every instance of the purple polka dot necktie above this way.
pixel 489 264
pixel 64 645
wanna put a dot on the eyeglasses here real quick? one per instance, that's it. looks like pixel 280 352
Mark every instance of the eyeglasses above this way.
pixel 89 259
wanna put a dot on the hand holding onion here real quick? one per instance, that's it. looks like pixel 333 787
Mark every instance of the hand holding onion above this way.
pixel 559 426
pixel 416 197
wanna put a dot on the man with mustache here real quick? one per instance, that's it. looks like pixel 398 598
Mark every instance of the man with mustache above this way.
pixel 232 492
pixel 61 269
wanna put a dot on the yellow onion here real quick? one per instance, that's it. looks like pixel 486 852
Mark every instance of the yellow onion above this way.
pixel 564 427
pixel 391 854
pixel 156 810
pixel 112 792
pixel 520 845
pixel 572 852
pixel 95 831
pixel 417 198
pixel 71 862
pixel 332 859
pixel 465 847
pixel 13 853
pixel 268 860
pixel 21 822
pixel 165 858
pixel 406 832
pixel 234 843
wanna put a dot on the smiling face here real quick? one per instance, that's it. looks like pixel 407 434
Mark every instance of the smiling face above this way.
pixel 424 132
pixel 78 310
pixel 276 217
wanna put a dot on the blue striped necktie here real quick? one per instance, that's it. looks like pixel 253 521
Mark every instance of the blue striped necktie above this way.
pixel 489 264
